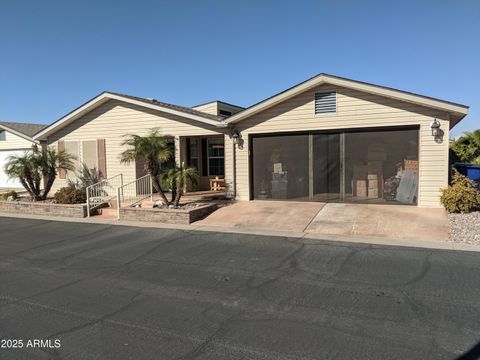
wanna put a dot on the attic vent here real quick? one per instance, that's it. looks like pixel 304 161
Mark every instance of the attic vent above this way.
pixel 225 113
pixel 325 103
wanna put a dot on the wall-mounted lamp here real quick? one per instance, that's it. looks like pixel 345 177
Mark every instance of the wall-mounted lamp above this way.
pixel 235 136
pixel 435 126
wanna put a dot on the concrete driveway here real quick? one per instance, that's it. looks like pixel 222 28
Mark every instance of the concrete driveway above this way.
pixel 343 220
pixel 265 215
pixel 382 221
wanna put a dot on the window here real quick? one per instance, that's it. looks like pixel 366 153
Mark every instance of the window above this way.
pixel 216 157
pixel 73 148
pixel 193 149
pixel 85 152
pixel 2 136
pixel 89 154
pixel 325 103
pixel 225 113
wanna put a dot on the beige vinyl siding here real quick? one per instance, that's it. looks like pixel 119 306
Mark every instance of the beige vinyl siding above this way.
pixel 229 161
pixel 354 110
pixel 113 119
pixel 14 142
pixel 210 108
pixel 215 106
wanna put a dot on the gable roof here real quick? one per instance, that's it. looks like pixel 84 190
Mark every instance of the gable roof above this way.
pixel 24 130
pixel 458 111
pixel 135 100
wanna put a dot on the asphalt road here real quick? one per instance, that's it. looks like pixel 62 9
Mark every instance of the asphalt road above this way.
pixel 114 292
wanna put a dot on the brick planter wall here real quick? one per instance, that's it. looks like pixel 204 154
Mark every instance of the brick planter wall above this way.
pixel 39 208
pixel 168 216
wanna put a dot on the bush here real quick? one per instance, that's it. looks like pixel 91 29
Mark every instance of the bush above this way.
pixel 461 196
pixel 71 195
pixel 85 177
pixel 7 194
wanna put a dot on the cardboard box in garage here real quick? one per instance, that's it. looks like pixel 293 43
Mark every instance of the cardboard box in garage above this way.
pixel 361 188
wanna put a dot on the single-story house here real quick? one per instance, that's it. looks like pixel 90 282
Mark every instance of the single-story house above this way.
pixel 15 139
pixel 325 139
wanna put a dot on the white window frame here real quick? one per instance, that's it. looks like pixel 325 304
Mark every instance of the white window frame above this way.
pixel 80 154
pixel 198 142
pixel 72 174
pixel 96 150
pixel 215 157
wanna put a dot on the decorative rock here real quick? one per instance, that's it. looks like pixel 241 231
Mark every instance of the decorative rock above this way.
pixel 465 228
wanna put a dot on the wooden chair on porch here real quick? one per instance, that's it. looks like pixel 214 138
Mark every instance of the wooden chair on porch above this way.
pixel 217 184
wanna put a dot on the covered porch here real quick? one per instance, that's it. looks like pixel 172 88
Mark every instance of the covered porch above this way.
pixel 207 155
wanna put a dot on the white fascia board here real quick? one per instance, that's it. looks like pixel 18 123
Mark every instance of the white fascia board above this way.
pixel 164 109
pixel 104 97
pixel 399 95
pixel 71 117
pixel 275 100
pixel 351 84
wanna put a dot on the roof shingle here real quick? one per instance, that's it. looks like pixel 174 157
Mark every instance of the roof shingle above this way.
pixel 171 106
pixel 28 129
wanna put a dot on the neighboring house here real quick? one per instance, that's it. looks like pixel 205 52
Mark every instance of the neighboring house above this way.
pixel 325 139
pixel 15 139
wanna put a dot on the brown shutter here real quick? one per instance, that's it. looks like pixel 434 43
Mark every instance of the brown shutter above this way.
pixel 62 174
pixel 102 161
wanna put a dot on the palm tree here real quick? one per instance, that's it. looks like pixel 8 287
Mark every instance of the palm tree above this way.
pixel 52 160
pixel 155 149
pixel 179 178
pixel 35 165
pixel 467 147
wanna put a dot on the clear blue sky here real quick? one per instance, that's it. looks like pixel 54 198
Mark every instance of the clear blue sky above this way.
pixel 55 55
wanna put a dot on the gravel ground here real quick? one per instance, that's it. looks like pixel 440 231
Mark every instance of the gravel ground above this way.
pixel 465 228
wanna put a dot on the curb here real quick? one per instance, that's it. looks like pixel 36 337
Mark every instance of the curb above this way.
pixel 426 244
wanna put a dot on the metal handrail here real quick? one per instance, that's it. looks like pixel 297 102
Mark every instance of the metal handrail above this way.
pixel 103 191
pixel 134 192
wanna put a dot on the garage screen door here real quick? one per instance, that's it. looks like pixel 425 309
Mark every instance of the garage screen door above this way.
pixel 375 166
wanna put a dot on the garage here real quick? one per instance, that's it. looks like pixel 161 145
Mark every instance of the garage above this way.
pixel 375 165
pixel 5 182
pixel 15 139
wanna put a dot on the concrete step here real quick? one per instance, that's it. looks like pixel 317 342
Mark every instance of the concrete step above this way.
pixel 108 212
pixel 147 204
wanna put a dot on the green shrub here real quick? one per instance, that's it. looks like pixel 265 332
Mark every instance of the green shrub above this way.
pixel 70 195
pixel 7 194
pixel 461 196
pixel 85 177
